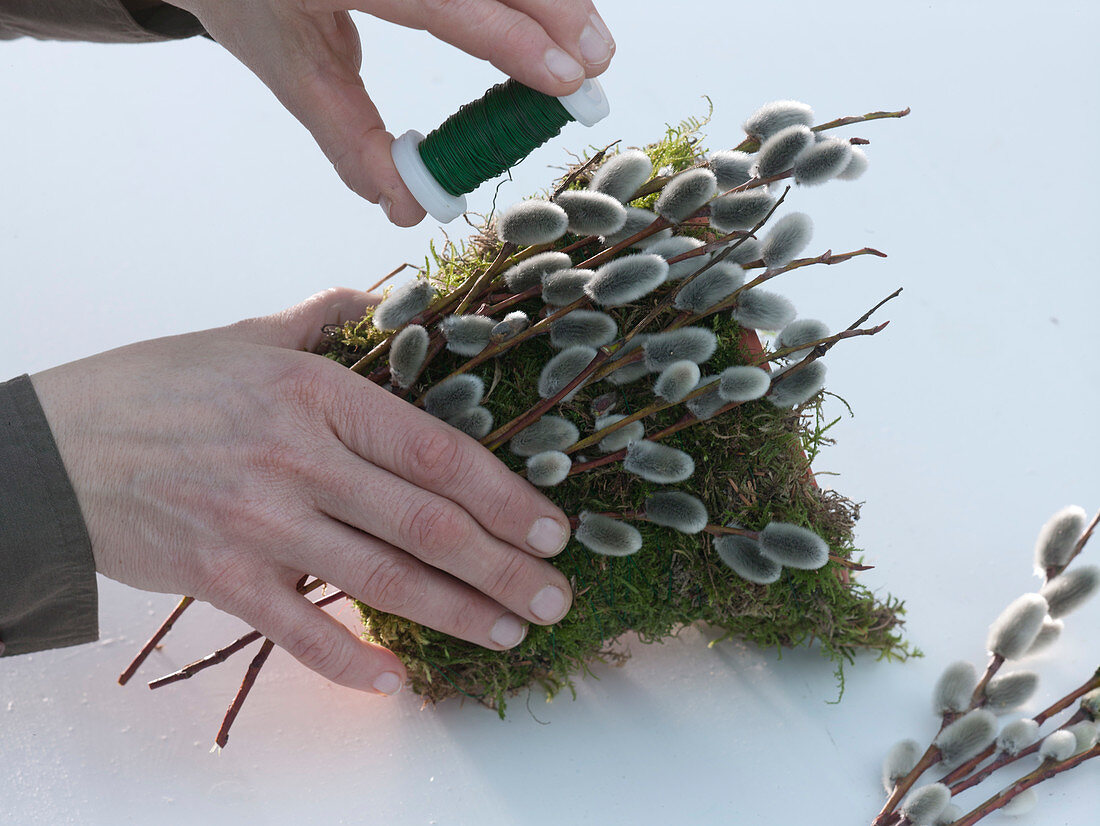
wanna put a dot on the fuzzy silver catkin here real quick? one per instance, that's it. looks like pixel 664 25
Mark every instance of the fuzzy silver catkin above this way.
pixel 1013 632
pixel 688 343
pixel 1021 804
pixel 547 433
pixel 562 369
pixel 786 239
pixel 1090 704
pixel 954 688
pixel 408 349
pixel 706 405
pixel 899 761
pixel 924 804
pixel 741 251
pixel 549 468
pixel 685 193
pixel 678 245
pixel 731 168
pixel 401 305
pixel 822 161
pixel 1008 691
pixel 798 387
pixel 740 210
pixel 563 287
pixel 705 290
pixel 451 396
pixel 604 535
pixel 1047 636
pixel 949 815
pixel 1017 736
pixel 1086 733
pixel 532 222
pixel 527 274
pixel 589 328
pixel 677 380
pixel 777 154
pixel 626 279
pixel 467 335
pixel 637 219
pixel 799 332
pixel 592 213
pixel 677 510
pixel 621 175
pixel 1070 589
pixel 1058 537
pixel 1058 746
pixel 618 439
pixel 635 370
pixel 510 326
pixel 475 422
pixel 658 463
pixel 777 115
pixel 793 546
pixel 763 310
pixel 857 165
pixel 743 383
pixel 742 554
pixel 967 736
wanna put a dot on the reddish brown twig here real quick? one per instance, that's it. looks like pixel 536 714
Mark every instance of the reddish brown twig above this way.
pixel 242 693
pixel 154 640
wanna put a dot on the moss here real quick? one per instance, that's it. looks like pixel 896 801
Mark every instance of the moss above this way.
pixel 752 465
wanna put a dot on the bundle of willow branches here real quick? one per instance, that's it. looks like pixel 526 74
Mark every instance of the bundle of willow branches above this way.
pixel 603 341
pixel 971 744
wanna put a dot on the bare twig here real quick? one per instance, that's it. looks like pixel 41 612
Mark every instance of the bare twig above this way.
pixel 154 640
pixel 242 693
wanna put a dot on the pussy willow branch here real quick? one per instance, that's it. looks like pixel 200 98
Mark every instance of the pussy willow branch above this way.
pixel 1047 770
pixel 902 787
pixel 222 654
pixel 580 170
pixel 242 693
pixel 158 635
pixel 1053 571
pixel 964 771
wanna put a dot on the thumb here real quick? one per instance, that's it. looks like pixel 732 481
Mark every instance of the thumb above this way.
pixel 301 327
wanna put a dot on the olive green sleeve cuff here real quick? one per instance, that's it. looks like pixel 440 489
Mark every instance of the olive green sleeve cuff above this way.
pixel 48 595
pixel 97 21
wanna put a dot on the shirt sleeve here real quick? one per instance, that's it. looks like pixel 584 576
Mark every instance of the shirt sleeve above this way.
pixel 48 595
pixel 98 21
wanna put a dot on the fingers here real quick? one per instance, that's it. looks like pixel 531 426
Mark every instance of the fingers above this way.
pixel 301 327
pixel 312 637
pixel 392 581
pixel 429 454
pixel 550 46
pixel 443 535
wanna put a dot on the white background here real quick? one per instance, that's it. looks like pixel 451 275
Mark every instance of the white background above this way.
pixel 157 189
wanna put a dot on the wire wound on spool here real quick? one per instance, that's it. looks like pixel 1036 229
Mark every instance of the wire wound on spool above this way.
pixel 485 138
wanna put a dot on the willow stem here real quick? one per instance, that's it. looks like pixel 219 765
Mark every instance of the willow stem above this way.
pixel 158 635
pixel 1047 770
pixel 242 693
pixel 977 699
pixel 1053 571
pixel 927 760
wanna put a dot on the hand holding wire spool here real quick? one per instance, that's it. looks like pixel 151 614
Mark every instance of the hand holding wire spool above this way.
pixel 311 58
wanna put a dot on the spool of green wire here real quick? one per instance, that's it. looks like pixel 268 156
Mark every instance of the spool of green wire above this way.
pixel 486 137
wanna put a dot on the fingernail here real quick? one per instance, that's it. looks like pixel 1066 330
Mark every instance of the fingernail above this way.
pixel 547 536
pixel 562 66
pixel 508 631
pixel 548 604
pixel 386 205
pixel 387 683
pixel 596 43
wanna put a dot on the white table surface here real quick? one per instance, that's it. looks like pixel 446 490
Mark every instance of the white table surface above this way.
pixel 157 189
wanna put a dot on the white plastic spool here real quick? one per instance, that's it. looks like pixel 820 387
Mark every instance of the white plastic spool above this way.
pixel 588 106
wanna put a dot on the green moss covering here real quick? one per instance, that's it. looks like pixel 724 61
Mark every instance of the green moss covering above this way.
pixel 752 465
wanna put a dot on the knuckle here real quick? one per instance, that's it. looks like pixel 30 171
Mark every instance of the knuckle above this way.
pixel 437 457
pixel 316 649
pixel 393 585
pixel 436 528
pixel 509 580
pixel 503 504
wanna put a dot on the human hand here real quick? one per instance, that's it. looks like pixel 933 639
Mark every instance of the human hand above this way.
pixel 309 54
pixel 226 464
